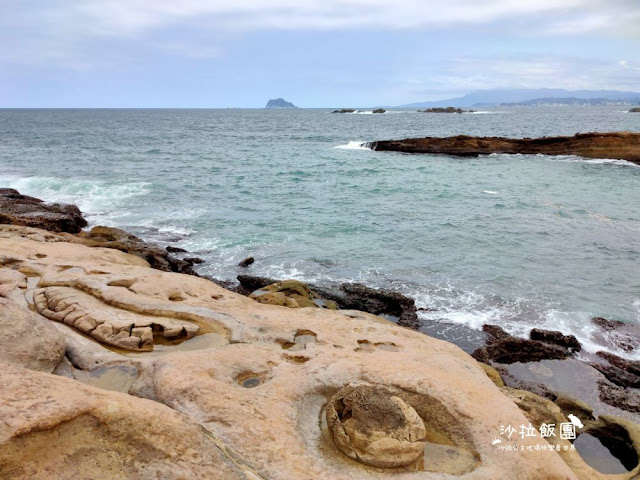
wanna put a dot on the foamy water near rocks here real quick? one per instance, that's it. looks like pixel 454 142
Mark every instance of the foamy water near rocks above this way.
pixel 171 376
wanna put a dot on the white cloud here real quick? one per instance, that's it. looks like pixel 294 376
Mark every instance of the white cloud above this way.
pixel 133 17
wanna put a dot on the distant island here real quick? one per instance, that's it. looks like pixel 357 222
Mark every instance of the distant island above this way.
pixel 279 103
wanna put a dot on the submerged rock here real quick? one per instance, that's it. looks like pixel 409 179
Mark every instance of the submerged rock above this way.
pixel 246 262
pixel 17 209
pixel 618 335
pixel 622 145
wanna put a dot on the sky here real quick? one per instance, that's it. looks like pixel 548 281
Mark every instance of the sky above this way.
pixel 314 53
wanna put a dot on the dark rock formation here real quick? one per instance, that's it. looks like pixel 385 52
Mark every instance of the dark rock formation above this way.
pixel 635 110
pixel 507 349
pixel 550 336
pixel 351 296
pixel 171 249
pixel 379 110
pixel 445 110
pixel 620 371
pixel 246 262
pixel 17 209
pixel 158 258
pixel 622 398
pixel 345 110
pixel 617 334
pixel 279 103
pixel 622 145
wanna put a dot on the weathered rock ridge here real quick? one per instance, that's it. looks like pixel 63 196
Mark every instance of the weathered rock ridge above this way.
pixel 616 145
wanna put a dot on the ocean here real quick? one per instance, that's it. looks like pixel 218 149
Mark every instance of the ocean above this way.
pixel 520 241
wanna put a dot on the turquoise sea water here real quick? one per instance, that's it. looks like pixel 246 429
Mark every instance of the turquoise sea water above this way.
pixel 513 240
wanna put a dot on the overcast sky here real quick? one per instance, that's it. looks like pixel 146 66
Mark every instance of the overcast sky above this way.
pixel 315 53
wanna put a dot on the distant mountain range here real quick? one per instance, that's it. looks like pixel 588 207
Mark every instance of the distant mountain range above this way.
pixel 598 102
pixel 533 96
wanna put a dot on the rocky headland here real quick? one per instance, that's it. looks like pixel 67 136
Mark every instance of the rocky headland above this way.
pixel 113 364
pixel 615 145
pixel 445 110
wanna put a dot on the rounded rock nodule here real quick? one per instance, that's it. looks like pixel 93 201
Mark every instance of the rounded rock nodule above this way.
pixel 371 425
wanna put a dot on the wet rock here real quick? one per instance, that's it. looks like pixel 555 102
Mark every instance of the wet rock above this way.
pixel 634 110
pixel 624 398
pixel 246 262
pixel 504 348
pixel 379 110
pixel 193 260
pixel 17 209
pixel 158 258
pixel 620 371
pixel 517 383
pixel 345 110
pixel 251 283
pixel 371 425
pixel 551 336
pixel 171 249
pixel 352 296
pixel 511 350
pixel 495 332
pixel 617 334
pixel 623 145
pixel 355 296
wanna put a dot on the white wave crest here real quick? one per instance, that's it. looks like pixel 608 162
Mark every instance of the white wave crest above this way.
pixel 93 197
pixel 357 145
pixel 490 192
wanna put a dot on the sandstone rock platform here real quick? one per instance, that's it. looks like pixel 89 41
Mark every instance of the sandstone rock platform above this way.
pixel 251 390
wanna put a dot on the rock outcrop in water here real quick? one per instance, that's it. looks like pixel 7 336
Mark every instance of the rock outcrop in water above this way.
pixel 616 145
pixel 17 209
pixel 445 110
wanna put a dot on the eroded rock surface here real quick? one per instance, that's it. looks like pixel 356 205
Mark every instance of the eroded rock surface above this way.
pixel 27 339
pixel 622 145
pixel 53 427
pixel 260 396
pixel 374 426
pixel 106 324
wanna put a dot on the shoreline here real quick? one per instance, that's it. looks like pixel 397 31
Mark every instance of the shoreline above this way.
pixel 517 356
